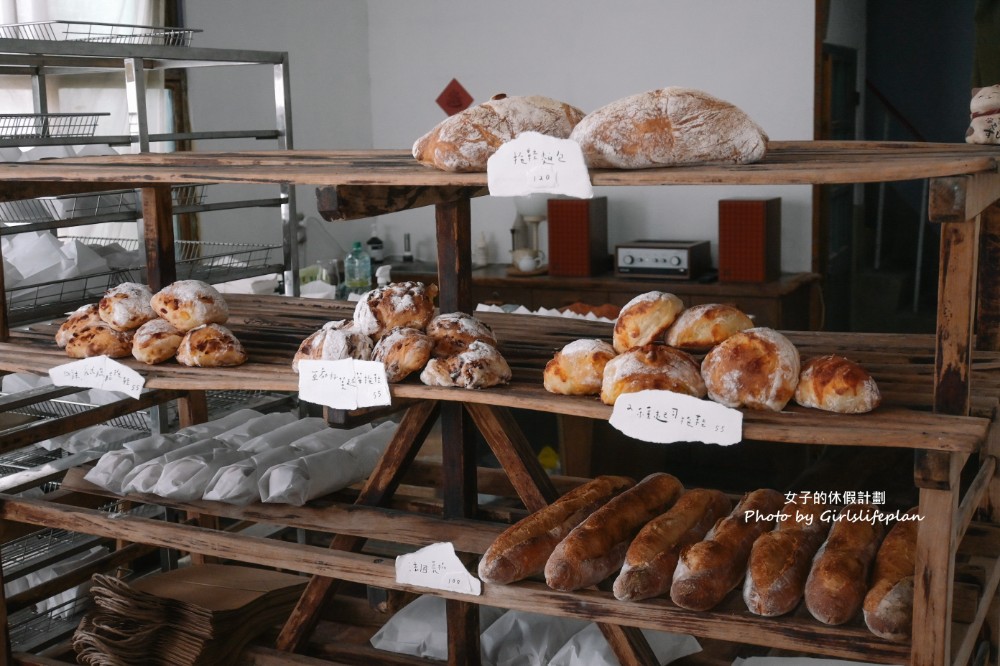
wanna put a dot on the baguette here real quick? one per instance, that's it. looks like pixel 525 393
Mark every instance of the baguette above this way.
pixel 838 579
pixel 888 606
pixel 651 559
pixel 706 571
pixel 596 547
pixel 779 560
pixel 522 549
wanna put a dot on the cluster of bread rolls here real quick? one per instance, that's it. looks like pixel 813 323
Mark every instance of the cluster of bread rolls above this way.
pixel 183 320
pixel 654 346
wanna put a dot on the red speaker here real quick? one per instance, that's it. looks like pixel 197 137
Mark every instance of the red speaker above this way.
pixel 749 240
pixel 578 237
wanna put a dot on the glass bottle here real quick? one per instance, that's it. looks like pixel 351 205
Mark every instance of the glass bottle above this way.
pixel 357 270
pixel 376 249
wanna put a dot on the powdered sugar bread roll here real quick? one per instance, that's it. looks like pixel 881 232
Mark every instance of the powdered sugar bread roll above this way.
pixel 667 127
pixel 403 351
pixel 156 341
pixel 336 341
pixel 188 304
pixel 80 318
pixel 757 368
pixel 578 368
pixel 99 339
pixel 453 332
pixel 400 304
pixel 479 366
pixel 837 384
pixel 126 307
pixel 645 319
pixel 210 346
pixel 466 140
pixel 652 366
pixel 701 327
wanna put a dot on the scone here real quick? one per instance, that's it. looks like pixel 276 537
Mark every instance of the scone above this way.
pixel 82 317
pixel 701 327
pixel 453 332
pixel 837 384
pixel 156 341
pixel 757 368
pixel 337 340
pixel 99 339
pixel 403 351
pixel 188 304
pixel 645 319
pixel 125 307
pixel 210 346
pixel 652 366
pixel 578 368
pixel 479 366
pixel 396 305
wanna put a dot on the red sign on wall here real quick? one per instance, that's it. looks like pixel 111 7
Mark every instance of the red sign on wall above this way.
pixel 454 98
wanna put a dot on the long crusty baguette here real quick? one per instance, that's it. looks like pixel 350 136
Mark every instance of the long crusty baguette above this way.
pixel 596 547
pixel 838 578
pixel 888 606
pixel 780 559
pixel 651 559
pixel 706 571
pixel 523 548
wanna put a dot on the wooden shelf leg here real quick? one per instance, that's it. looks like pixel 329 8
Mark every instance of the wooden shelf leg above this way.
pixel 158 236
pixel 934 589
pixel 988 310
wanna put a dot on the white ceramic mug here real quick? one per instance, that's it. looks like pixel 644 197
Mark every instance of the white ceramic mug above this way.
pixel 527 260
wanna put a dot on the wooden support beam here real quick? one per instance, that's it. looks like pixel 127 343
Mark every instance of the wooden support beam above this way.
pixel 158 234
pixel 351 202
pixel 956 308
pixel 961 198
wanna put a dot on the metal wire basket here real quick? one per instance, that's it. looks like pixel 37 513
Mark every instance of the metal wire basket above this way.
pixel 112 202
pixel 85 31
pixel 48 125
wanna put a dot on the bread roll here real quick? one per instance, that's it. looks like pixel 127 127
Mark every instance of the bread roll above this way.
pixel 188 304
pixel 652 557
pixel 396 305
pixel 652 366
pixel 336 341
pixel 701 327
pixel 667 127
pixel 888 606
pixel 596 548
pixel 80 318
pixel 706 571
pixel 99 339
pixel 466 140
pixel 524 547
pixel 757 368
pixel 479 366
pixel 126 306
pixel 838 578
pixel 645 319
pixel 210 346
pixel 836 384
pixel 780 559
pixel 156 341
pixel 453 332
pixel 578 368
pixel 403 351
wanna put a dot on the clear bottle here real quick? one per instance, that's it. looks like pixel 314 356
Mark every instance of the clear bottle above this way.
pixel 376 248
pixel 357 270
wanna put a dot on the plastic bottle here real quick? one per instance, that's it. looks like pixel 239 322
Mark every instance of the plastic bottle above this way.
pixel 357 270
pixel 376 249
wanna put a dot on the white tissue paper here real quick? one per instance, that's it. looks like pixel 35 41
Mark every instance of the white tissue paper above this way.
pixel 244 432
pixel 588 647
pixel 61 605
pixel 112 468
pixel 421 628
pixel 520 638
pixel 143 477
pixel 330 438
pixel 98 437
pixel 237 482
pixel 212 428
pixel 284 434
pixel 187 478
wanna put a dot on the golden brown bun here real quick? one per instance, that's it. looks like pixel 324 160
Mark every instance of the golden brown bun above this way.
pixel 652 556
pixel 210 346
pixel 466 140
pixel 337 340
pixel 645 319
pixel 188 304
pixel 99 339
pixel 578 368
pixel 156 341
pixel 126 306
pixel 836 384
pixel 453 332
pixel 596 548
pixel 82 317
pixel 757 368
pixel 701 327
pixel 403 351
pixel 524 547
pixel 888 606
pixel 479 366
pixel 396 305
pixel 706 571
pixel 666 127
pixel 652 366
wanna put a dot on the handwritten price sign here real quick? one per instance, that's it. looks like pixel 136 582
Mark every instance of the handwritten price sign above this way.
pixel 99 372
pixel 537 163
pixel 665 417
pixel 344 384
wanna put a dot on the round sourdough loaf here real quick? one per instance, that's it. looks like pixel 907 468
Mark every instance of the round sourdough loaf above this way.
pixel 210 346
pixel 126 307
pixel 400 304
pixel 837 384
pixel 757 368
pixel 645 319
pixel 337 340
pixel 652 366
pixel 82 317
pixel 188 304
pixel 403 351
pixel 701 327
pixel 578 368
pixel 453 332
pixel 156 341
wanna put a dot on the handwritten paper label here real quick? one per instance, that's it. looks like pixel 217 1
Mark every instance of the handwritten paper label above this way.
pixel 99 372
pixel 436 566
pixel 664 417
pixel 536 163
pixel 344 384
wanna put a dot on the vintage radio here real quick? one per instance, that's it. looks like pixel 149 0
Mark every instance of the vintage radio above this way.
pixel 675 260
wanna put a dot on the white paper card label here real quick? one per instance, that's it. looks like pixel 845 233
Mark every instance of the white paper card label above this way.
pixel 437 566
pixel 535 163
pixel 665 417
pixel 99 372
pixel 344 384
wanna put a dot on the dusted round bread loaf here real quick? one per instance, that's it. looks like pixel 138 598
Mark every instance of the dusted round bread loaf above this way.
pixel 453 332
pixel 126 306
pixel 188 304
pixel 466 140
pixel 210 346
pixel 578 368
pixel 156 341
pixel 335 341
pixel 479 366
pixel 99 339
pixel 82 317
pixel 652 366
pixel 403 351
pixel 396 305
pixel 837 384
pixel 756 368
pixel 701 327
pixel 645 319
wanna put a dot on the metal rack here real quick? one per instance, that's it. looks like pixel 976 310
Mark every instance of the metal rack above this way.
pixel 89 31
pixel 26 126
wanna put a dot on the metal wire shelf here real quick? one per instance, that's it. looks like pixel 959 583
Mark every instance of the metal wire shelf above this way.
pixel 45 125
pixel 60 408
pixel 111 33
pixel 44 209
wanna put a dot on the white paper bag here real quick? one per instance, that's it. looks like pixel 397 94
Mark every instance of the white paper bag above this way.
pixel 212 428
pixel 110 471
pixel 94 438
pixel 588 647
pixel 329 438
pixel 284 434
pixel 520 638
pixel 421 628
pixel 369 447
pixel 186 478
pixel 237 482
pixel 143 476
pixel 242 433
pixel 302 479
